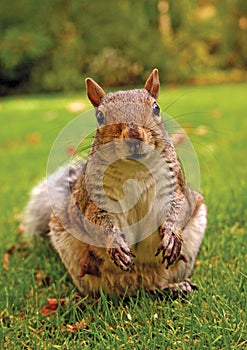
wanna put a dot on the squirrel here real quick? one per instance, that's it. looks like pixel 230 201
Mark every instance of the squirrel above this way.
pixel 129 219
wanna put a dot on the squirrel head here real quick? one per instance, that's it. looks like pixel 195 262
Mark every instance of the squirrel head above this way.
pixel 132 116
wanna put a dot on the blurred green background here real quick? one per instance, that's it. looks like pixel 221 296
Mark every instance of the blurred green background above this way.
pixel 47 48
pixel 51 45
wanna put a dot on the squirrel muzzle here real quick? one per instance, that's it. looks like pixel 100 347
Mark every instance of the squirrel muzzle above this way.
pixel 136 139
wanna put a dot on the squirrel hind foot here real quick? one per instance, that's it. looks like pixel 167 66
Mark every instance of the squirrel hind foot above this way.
pixel 179 290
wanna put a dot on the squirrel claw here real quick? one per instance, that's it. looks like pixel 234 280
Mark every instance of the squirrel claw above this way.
pixel 122 258
pixel 121 253
pixel 180 290
pixel 127 250
pixel 170 246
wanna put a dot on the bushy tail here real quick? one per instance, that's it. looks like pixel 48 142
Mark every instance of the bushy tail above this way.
pixel 36 215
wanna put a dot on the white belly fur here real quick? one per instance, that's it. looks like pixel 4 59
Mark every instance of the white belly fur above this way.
pixel 141 199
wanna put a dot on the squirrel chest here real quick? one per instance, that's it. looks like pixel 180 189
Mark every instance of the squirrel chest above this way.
pixel 135 192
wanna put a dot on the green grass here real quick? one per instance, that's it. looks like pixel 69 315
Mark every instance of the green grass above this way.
pixel 215 317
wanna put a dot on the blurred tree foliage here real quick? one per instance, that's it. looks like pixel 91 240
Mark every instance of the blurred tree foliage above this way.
pixel 50 45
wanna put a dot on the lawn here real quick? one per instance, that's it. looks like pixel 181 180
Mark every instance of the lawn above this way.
pixel 32 277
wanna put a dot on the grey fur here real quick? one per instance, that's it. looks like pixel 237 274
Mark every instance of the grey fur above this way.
pixel 36 215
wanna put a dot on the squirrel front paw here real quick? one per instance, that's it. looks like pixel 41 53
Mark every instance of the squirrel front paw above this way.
pixel 170 244
pixel 121 254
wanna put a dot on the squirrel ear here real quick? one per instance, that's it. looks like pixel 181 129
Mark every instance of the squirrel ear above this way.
pixel 94 92
pixel 153 83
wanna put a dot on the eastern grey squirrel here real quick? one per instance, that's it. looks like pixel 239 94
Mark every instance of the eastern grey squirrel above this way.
pixel 124 218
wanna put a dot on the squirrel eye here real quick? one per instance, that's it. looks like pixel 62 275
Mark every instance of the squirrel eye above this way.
pixel 156 109
pixel 100 117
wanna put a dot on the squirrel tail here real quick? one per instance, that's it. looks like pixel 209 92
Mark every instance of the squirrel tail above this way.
pixel 36 214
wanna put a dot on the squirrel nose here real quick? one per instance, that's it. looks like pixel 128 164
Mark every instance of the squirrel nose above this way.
pixel 134 133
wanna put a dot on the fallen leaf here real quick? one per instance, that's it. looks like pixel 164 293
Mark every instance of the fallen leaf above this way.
pixel 22 314
pixel 72 328
pixel 52 305
pixel 6 261
pixel 38 276
pixel 6 256
pixel 82 324
pixel 33 138
pixel 64 286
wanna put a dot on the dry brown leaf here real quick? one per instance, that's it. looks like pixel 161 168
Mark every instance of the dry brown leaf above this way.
pixel 72 328
pixel 52 305
pixel 6 261
pixel 83 324
pixel 6 256
pixel 38 276
pixel 33 138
